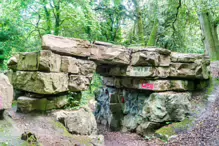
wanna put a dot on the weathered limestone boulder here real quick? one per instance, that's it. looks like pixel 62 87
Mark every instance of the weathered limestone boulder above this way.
pixel 153 85
pixel 134 71
pixel 198 70
pixel 129 123
pixel 39 82
pixel 150 57
pixel 78 83
pixel 80 121
pixel 187 58
pixel 110 54
pixel 167 106
pixel 36 61
pixel 27 104
pixel 6 93
pixel 66 46
pixel 147 128
pixel 77 66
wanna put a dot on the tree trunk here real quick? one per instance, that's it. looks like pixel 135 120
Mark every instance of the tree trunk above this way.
pixel 57 19
pixel 1 58
pixel 153 35
pixel 48 20
pixel 209 32
pixel 139 22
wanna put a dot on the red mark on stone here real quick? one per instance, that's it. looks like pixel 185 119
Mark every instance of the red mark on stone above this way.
pixel 123 100
pixel 147 86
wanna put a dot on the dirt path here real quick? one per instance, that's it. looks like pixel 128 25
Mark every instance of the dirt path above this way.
pixel 206 130
pixel 46 129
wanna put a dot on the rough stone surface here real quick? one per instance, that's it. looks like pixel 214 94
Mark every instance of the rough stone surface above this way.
pixel 75 47
pixel 134 71
pixel 186 58
pixel 13 61
pixel 28 61
pixel 6 92
pixel 77 66
pixel 153 85
pixel 150 57
pixel 110 55
pixel 80 121
pixel 147 128
pixel 27 104
pixel 197 70
pixel 39 82
pixel 36 61
pixel 167 106
pixel 129 123
pixel 49 61
pixel 78 83
pixel 66 46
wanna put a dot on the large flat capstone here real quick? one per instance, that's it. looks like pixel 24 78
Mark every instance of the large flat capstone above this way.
pixel 39 82
pixel 99 52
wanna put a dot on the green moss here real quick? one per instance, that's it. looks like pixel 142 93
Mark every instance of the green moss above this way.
pixel 62 127
pixel 212 84
pixel 14 103
pixel 83 140
pixel 166 132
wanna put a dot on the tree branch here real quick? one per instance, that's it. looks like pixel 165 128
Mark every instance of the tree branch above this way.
pixel 176 15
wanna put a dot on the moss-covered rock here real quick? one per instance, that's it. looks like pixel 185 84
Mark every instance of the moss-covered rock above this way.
pixel 39 82
pixel 26 104
pixel 173 129
pixel 167 106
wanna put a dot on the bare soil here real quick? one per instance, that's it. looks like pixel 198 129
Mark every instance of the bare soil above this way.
pixel 48 131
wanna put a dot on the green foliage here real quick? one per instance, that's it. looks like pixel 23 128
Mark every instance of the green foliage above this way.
pixel 132 22
pixel 78 99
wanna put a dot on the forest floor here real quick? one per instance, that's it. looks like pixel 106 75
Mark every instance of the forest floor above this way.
pixel 47 130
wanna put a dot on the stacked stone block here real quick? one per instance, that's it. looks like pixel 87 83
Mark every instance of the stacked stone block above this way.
pixel 47 78
pixel 145 87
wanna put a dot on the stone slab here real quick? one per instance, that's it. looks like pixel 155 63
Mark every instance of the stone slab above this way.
pixel 27 104
pixel 77 66
pixel 150 57
pixel 153 85
pixel 39 82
